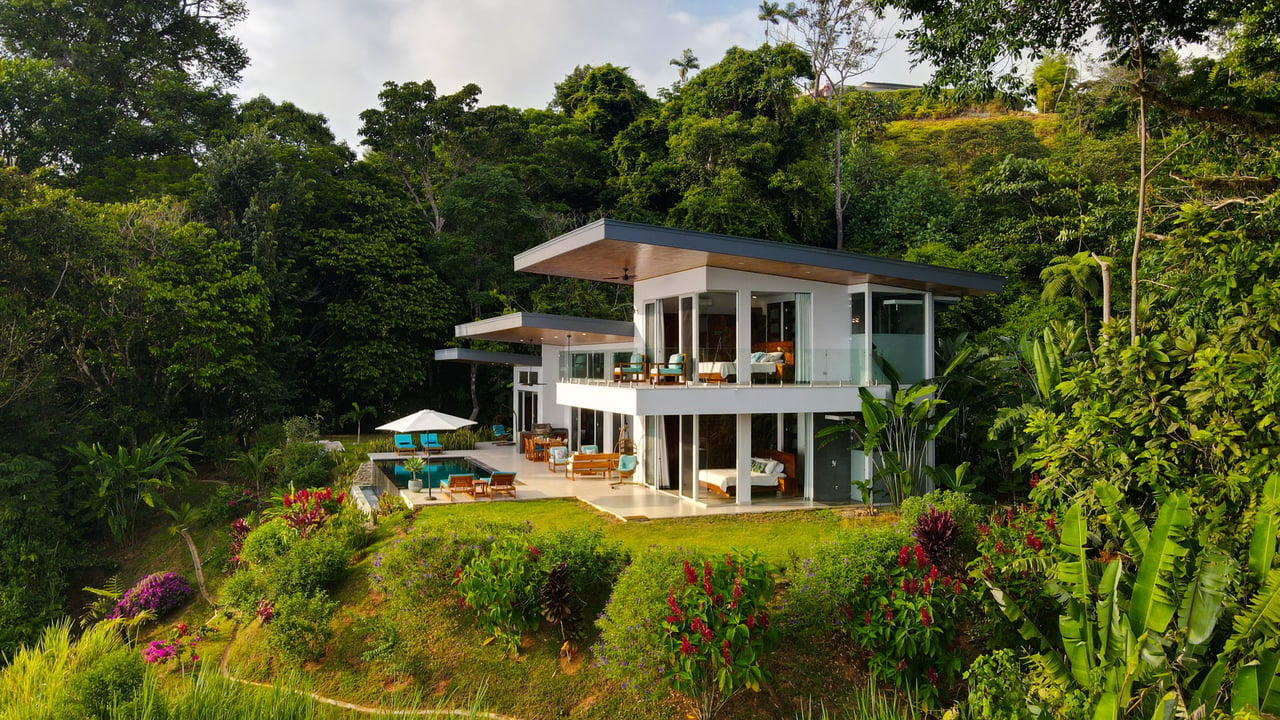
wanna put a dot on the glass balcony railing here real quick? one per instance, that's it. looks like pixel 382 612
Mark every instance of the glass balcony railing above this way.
pixel 819 367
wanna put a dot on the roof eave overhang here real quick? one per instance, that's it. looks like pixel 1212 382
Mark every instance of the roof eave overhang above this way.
pixel 624 253
pixel 486 357
pixel 544 329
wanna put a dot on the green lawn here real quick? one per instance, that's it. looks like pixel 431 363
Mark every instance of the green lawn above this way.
pixel 778 536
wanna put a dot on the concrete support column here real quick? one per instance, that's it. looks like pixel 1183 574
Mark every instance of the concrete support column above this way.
pixel 744 458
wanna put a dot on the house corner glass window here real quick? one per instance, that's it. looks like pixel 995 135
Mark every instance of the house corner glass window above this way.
pixel 898 335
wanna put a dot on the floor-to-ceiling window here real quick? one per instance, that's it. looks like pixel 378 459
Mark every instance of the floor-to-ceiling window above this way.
pixel 898 335
pixel 781 338
pixel 717 336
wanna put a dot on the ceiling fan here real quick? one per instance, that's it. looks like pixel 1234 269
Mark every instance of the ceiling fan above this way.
pixel 626 275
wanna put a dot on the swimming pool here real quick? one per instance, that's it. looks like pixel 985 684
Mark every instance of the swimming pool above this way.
pixel 436 472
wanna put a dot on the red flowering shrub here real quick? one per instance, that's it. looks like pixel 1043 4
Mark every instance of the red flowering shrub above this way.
pixel 239 531
pixel 717 631
pixel 307 509
pixel 1012 549
pixel 907 616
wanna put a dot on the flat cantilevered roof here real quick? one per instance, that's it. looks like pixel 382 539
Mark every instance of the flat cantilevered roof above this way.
pixel 542 329
pixel 624 252
pixel 486 357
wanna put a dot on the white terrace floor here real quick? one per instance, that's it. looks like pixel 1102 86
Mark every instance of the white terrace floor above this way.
pixel 628 502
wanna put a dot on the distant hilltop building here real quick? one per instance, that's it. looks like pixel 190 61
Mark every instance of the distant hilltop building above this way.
pixel 886 87
pixel 826 91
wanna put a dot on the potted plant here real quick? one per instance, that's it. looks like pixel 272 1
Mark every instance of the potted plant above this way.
pixel 414 466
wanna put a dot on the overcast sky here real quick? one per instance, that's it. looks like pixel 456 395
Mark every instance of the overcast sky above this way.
pixel 332 56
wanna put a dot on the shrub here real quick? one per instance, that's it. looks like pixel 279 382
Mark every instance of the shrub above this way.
pixel 463 439
pixel 267 542
pixel 427 563
pixel 502 588
pixel 581 590
pixel 820 585
pixel 307 509
pixel 158 593
pixel 907 615
pixel 303 464
pixel 226 503
pixel 627 650
pixel 300 628
pixel 998 687
pixel 717 633
pixel 1013 549
pixel 310 565
pixel 936 532
pixel 110 679
pixel 243 590
pixel 965 514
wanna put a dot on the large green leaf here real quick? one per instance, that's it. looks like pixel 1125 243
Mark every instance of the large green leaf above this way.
pixel 1135 532
pixel 1269 682
pixel 1202 600
pixel 1116 640
pixel 1266 527
pixel 1206 694
pixel 1073 568
pixel 1152 608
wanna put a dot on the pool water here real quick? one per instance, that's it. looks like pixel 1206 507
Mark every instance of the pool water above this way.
pixel 436 472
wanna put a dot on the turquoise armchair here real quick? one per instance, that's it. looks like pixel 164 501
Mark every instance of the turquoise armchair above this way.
pixel 673 370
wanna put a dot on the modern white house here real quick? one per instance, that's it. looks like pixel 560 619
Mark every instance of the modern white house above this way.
pixel 738 353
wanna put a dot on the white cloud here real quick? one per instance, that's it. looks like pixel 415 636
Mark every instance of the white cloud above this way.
pixel 332 57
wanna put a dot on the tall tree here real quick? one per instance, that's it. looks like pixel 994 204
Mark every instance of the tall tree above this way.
pixel 1134 33
pixel 417 132
pixel 131 80
pixel 686 62
pixel 841 39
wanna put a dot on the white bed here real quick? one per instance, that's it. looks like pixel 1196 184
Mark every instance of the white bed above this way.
pixel 724 478
pixel 726 369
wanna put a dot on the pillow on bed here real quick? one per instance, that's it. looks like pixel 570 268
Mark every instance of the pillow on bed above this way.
pixel 755 356
pixel 773 357
pixel 775 468
pixel 758 467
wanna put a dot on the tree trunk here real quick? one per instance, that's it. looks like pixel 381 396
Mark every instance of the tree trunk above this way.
pixel 839 186
pixel 1105 267
pixel 475 398
pixel 1142 211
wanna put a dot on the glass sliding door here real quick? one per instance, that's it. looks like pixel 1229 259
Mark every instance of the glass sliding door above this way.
pixel 717 349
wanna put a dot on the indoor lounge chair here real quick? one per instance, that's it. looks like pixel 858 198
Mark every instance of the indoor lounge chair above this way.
pixel 404 445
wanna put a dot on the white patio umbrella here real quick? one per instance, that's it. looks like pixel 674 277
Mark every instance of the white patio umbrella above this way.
pixel 426 421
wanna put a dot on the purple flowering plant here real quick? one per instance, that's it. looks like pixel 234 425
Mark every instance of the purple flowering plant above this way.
pixel 158 593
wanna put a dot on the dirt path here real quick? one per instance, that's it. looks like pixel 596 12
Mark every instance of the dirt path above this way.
pixel 480 714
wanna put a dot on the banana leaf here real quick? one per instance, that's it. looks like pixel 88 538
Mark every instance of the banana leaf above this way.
pixel 1135 532
pixel 1266 526
pixel 1202 601
pixel 1151 607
